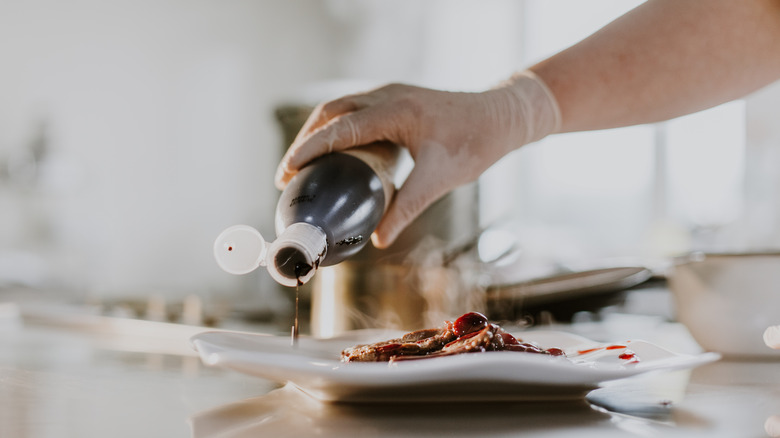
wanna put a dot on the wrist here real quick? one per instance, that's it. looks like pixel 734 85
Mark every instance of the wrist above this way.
pixel 530 106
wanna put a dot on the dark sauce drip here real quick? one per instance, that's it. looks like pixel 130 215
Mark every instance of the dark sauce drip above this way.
pixel 320 256
pixel 301 269
pixel 294 334
pixel 352 240
pixel 469 323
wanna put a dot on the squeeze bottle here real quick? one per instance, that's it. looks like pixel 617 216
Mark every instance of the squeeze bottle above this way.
pixel 326 213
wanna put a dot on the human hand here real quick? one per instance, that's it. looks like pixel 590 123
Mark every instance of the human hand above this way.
pixel 452 136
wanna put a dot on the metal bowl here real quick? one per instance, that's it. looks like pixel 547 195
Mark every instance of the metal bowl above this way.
pixel 727 301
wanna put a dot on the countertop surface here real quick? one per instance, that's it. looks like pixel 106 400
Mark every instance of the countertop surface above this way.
pixel 92 376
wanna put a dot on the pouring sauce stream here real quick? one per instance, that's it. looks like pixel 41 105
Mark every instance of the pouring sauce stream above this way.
pixel 301 269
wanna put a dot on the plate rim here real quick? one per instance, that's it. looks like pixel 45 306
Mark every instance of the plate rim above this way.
pixel 322 376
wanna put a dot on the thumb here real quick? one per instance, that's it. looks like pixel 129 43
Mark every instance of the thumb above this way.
pixel 414 196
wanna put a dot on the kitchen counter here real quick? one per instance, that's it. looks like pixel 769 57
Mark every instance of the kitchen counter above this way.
pixel 92 376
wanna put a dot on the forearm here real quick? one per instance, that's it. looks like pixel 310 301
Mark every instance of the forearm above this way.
pixel 664 59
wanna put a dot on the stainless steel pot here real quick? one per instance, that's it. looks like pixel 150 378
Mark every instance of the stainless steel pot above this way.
pixel 357 295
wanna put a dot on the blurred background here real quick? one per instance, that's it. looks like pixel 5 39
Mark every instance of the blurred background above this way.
pixel 133 132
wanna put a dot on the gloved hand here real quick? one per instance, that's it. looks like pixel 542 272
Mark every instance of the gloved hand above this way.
pixel 452 136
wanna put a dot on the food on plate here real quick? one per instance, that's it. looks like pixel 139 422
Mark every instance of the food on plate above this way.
pixel 471 333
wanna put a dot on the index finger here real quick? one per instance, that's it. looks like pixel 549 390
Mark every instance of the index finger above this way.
pixel 326 111
pixel 357 128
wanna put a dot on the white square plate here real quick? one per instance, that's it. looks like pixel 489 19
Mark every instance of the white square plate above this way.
pixel 314 367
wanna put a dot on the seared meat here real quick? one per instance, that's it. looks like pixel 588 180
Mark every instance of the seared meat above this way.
pixel 471 333
pixel 420 342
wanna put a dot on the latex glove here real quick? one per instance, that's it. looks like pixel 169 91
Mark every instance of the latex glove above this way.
pixel 452 136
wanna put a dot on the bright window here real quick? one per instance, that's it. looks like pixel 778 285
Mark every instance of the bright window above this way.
pixel 644 190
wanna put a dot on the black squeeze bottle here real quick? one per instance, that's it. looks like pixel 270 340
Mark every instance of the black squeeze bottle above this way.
pixel 326 213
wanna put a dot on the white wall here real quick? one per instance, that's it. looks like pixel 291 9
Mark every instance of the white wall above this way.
pixel 159 128
pixel 160 132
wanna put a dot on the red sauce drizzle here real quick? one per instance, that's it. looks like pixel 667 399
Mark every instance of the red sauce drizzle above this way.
pixel 608 347
pixel 629 355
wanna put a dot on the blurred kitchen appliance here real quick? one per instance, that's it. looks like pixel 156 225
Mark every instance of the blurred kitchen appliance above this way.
pixel 562 294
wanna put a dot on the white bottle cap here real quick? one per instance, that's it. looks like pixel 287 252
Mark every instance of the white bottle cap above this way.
pixel 295 255
pixel 240 249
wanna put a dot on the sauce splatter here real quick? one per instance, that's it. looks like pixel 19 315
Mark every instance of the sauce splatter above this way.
pixel 629 356
pixel 626 355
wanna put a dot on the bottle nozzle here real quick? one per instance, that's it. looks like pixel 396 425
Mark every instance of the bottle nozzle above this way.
pixel 240 249
pixel 295 255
